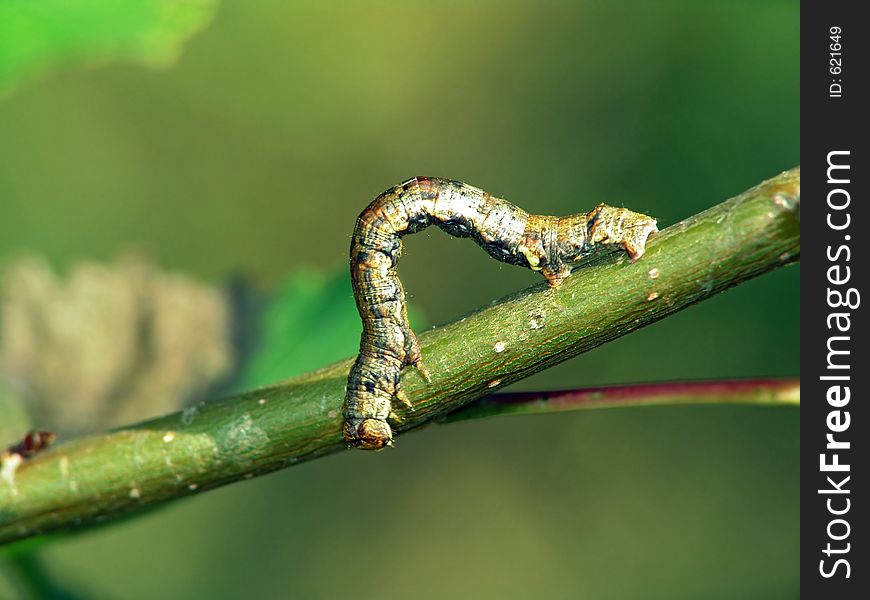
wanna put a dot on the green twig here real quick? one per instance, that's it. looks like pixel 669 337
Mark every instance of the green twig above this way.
pixel 105 476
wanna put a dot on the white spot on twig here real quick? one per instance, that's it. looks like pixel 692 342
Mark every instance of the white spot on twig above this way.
pixel 243 436
pixel 499 347
pixel 493 383
pixel 11 462
pixel 652 296
pixel 135 494
pixel 63 463
pixel 168 436
pixel 653 273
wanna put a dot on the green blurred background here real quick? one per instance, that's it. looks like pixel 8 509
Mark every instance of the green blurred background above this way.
pixel 254 154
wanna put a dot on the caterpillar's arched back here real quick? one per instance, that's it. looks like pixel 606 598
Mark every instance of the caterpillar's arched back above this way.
pixel 550 245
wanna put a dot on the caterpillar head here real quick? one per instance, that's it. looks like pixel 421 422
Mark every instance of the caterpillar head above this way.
pixel 368 434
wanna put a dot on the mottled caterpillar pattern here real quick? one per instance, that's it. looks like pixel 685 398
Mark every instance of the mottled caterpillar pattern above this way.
pixel 550 245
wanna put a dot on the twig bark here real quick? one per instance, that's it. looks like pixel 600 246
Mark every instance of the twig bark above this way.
pixel 105 476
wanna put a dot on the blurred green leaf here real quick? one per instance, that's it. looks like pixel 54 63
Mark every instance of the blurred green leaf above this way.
pixel 311 322
pixel 37 35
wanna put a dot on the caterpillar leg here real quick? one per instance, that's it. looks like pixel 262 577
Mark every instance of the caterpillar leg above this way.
pixel 423 371
pixel 415 357
pixel 635 247
pixel 555 278
pixel 403 398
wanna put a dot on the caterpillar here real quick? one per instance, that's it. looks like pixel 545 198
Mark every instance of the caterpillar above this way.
pixel 550 245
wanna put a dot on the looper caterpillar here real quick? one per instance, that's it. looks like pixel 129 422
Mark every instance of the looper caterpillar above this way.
pixel 551 245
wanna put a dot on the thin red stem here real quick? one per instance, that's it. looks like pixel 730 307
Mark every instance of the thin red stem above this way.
pixel 747 391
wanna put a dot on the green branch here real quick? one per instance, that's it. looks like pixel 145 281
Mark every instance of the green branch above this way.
pixel 105 476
